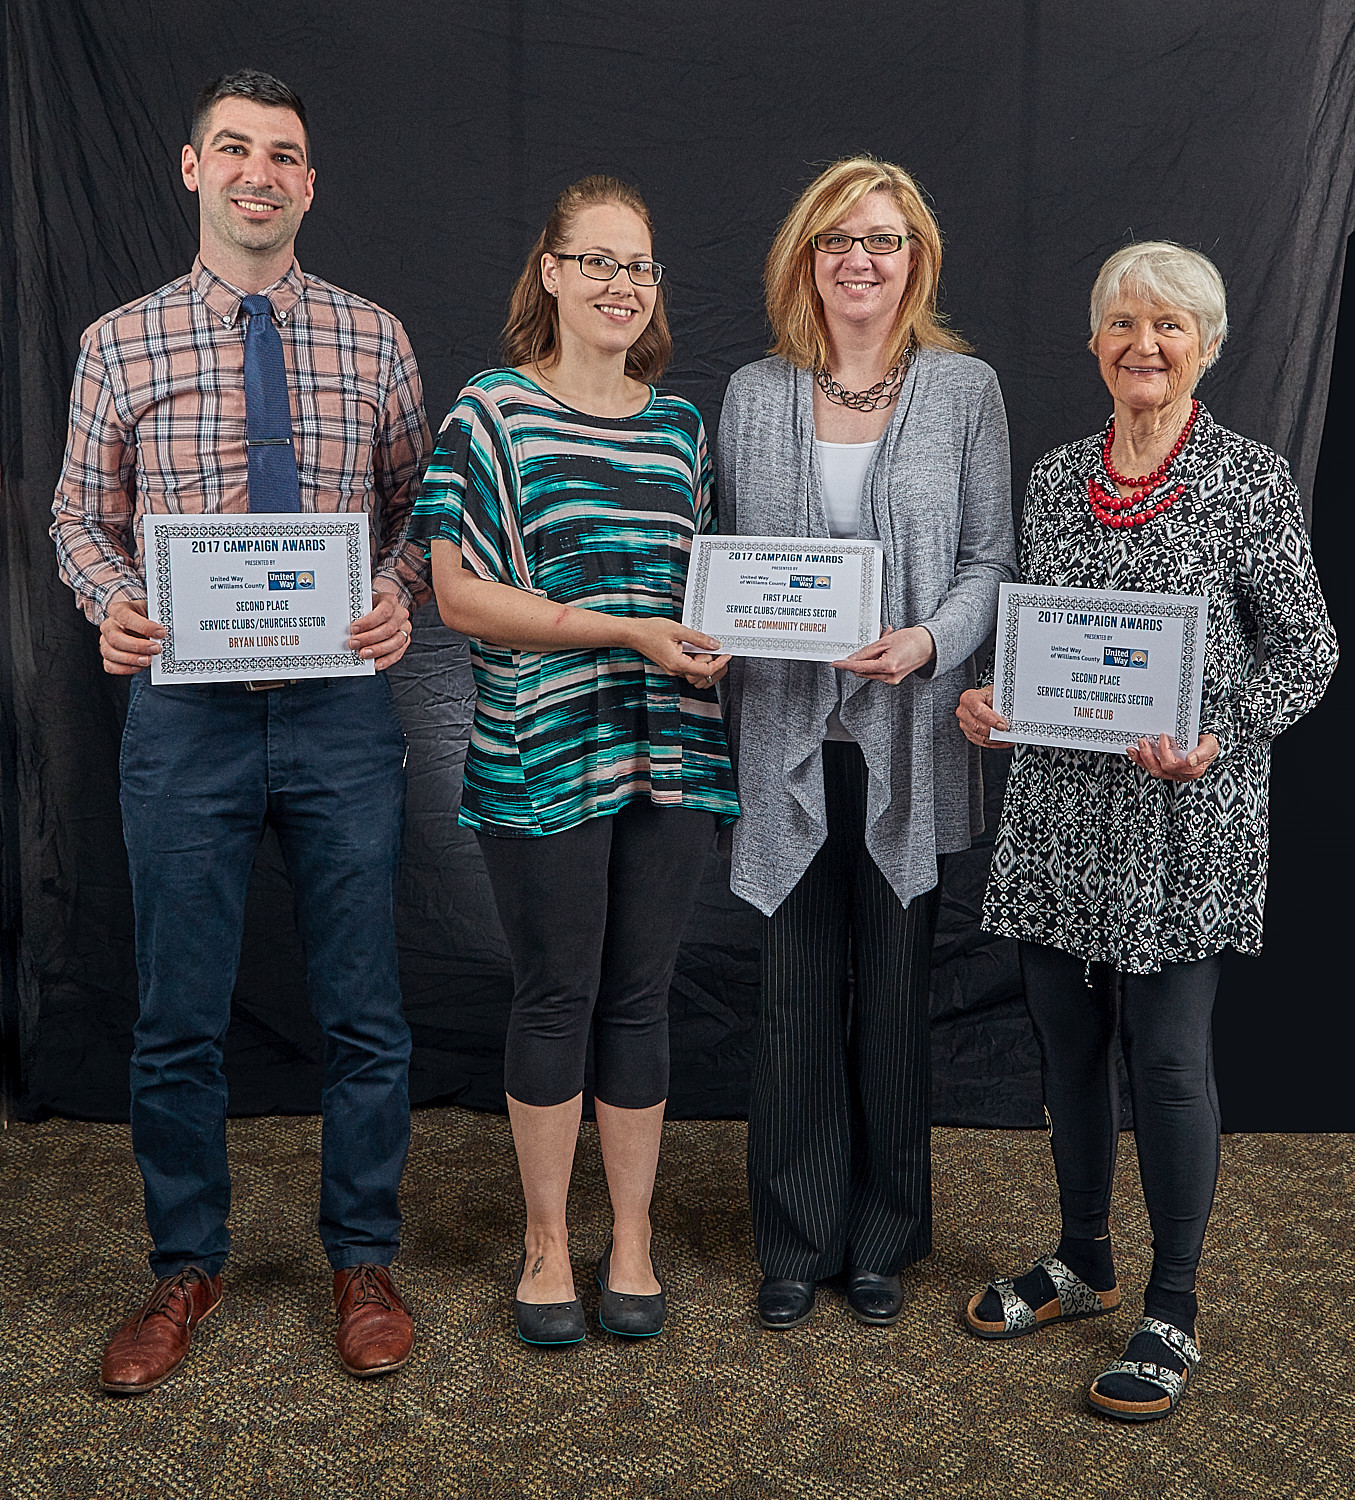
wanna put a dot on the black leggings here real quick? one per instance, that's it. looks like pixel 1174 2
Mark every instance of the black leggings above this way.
pixel 1164 1022
pixel 593 918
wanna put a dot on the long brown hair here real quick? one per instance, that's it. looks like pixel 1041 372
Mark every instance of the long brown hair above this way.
pixel 794 307
pixel 532 333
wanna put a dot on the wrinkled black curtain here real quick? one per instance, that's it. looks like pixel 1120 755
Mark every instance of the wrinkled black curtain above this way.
pixel 1048 133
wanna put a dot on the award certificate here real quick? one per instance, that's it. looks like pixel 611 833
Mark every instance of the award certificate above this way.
pixel 811 598
pixel 1094 671
pixel 257 596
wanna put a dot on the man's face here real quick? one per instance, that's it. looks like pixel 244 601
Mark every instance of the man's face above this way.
pixel 252 178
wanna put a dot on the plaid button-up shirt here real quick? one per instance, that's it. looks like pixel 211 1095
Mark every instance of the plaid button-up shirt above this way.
pixel 158 424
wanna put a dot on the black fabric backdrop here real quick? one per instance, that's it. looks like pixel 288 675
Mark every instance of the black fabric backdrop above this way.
pixel 1047 133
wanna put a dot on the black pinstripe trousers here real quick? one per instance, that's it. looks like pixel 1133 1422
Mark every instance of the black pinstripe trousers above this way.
pixel 839 1125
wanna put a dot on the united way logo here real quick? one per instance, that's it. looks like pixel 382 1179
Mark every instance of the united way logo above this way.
pixel 1122 656
pixel 287 582
pixel 813 581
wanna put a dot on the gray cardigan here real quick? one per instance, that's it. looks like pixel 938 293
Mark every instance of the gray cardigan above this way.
pixel 938 497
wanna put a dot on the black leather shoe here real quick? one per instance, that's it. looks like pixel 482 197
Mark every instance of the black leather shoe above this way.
pixel 874 1299
pixel 784 1304
pixel 547 1323
pixel 634 1315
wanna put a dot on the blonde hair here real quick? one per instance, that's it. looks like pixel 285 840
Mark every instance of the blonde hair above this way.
pixel 532 332
pixel 794 307
pixel 1163 272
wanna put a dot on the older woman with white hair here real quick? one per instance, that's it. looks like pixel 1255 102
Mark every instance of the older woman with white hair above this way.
pixel 1146 865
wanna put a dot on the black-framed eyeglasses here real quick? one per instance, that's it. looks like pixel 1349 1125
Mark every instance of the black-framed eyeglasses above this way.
pixel 834 243
pixel 603 267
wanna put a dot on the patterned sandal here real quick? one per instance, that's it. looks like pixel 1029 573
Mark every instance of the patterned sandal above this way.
pixel 1170 1382
pixel 1073 1298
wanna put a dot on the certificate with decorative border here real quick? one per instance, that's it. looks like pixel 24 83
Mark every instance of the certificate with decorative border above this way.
pixel 1094 670
pixel 811 598
pixel 257 596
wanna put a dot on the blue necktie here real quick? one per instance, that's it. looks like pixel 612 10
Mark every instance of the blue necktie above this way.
pixel 268 418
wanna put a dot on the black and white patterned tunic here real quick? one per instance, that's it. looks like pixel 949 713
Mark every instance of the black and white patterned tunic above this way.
pixel 1094 856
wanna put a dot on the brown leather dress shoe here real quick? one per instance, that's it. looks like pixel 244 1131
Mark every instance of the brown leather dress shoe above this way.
pixel 152 1343
pixel 376 1331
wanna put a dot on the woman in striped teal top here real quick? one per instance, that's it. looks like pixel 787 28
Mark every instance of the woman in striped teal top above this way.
pixel 560 507
pixel 597 512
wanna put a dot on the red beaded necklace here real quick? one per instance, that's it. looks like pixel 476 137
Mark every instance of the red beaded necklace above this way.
pixel 1116 510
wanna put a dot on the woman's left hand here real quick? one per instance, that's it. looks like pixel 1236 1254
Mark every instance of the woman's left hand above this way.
pixel 706 671
pixel 1163 761
pixel 893 657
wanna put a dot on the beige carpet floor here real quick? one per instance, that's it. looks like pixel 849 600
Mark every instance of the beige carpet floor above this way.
pixel 715 1408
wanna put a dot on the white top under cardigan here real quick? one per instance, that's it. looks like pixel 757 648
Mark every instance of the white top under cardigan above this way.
pixel 843 467
pixel 938 499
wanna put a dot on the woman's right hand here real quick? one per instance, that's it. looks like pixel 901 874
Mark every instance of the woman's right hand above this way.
pixel 661 642
pixel 977 716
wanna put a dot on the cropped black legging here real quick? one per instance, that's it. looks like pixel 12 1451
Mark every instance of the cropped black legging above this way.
pixel 593 918
pixel 1164 1022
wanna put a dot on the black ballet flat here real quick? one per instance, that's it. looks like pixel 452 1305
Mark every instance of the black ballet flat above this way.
pixel 547 1323
pixel 874 1299
pixel 783 1304
pixel 631 1314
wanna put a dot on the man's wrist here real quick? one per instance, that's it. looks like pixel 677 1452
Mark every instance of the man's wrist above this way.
pixel 122 593
pixel 383 583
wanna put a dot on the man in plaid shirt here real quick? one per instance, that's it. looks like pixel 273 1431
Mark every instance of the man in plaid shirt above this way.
pixel 158 424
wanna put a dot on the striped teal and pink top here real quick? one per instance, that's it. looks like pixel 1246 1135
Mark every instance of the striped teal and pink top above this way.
pixel 597 512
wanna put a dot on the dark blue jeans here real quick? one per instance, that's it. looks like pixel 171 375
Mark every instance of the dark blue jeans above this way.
pixel 204 767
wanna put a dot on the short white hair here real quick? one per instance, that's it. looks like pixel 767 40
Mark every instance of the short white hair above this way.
pixel 1163 272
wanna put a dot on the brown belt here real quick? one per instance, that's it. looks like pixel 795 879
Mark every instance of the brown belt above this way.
pixel 266 685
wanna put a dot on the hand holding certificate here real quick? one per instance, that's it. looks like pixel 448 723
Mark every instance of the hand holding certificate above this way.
pixel 257 596
pixel 1098 670
pixel 808 598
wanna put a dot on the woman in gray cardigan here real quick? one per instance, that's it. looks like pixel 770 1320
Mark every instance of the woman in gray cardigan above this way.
pixel 854 778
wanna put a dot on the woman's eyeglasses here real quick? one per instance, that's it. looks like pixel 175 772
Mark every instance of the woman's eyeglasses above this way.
pixel 604 267
pixel 834 243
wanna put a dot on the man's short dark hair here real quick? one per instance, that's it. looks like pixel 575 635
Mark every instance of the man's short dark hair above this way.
pixel 245 83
